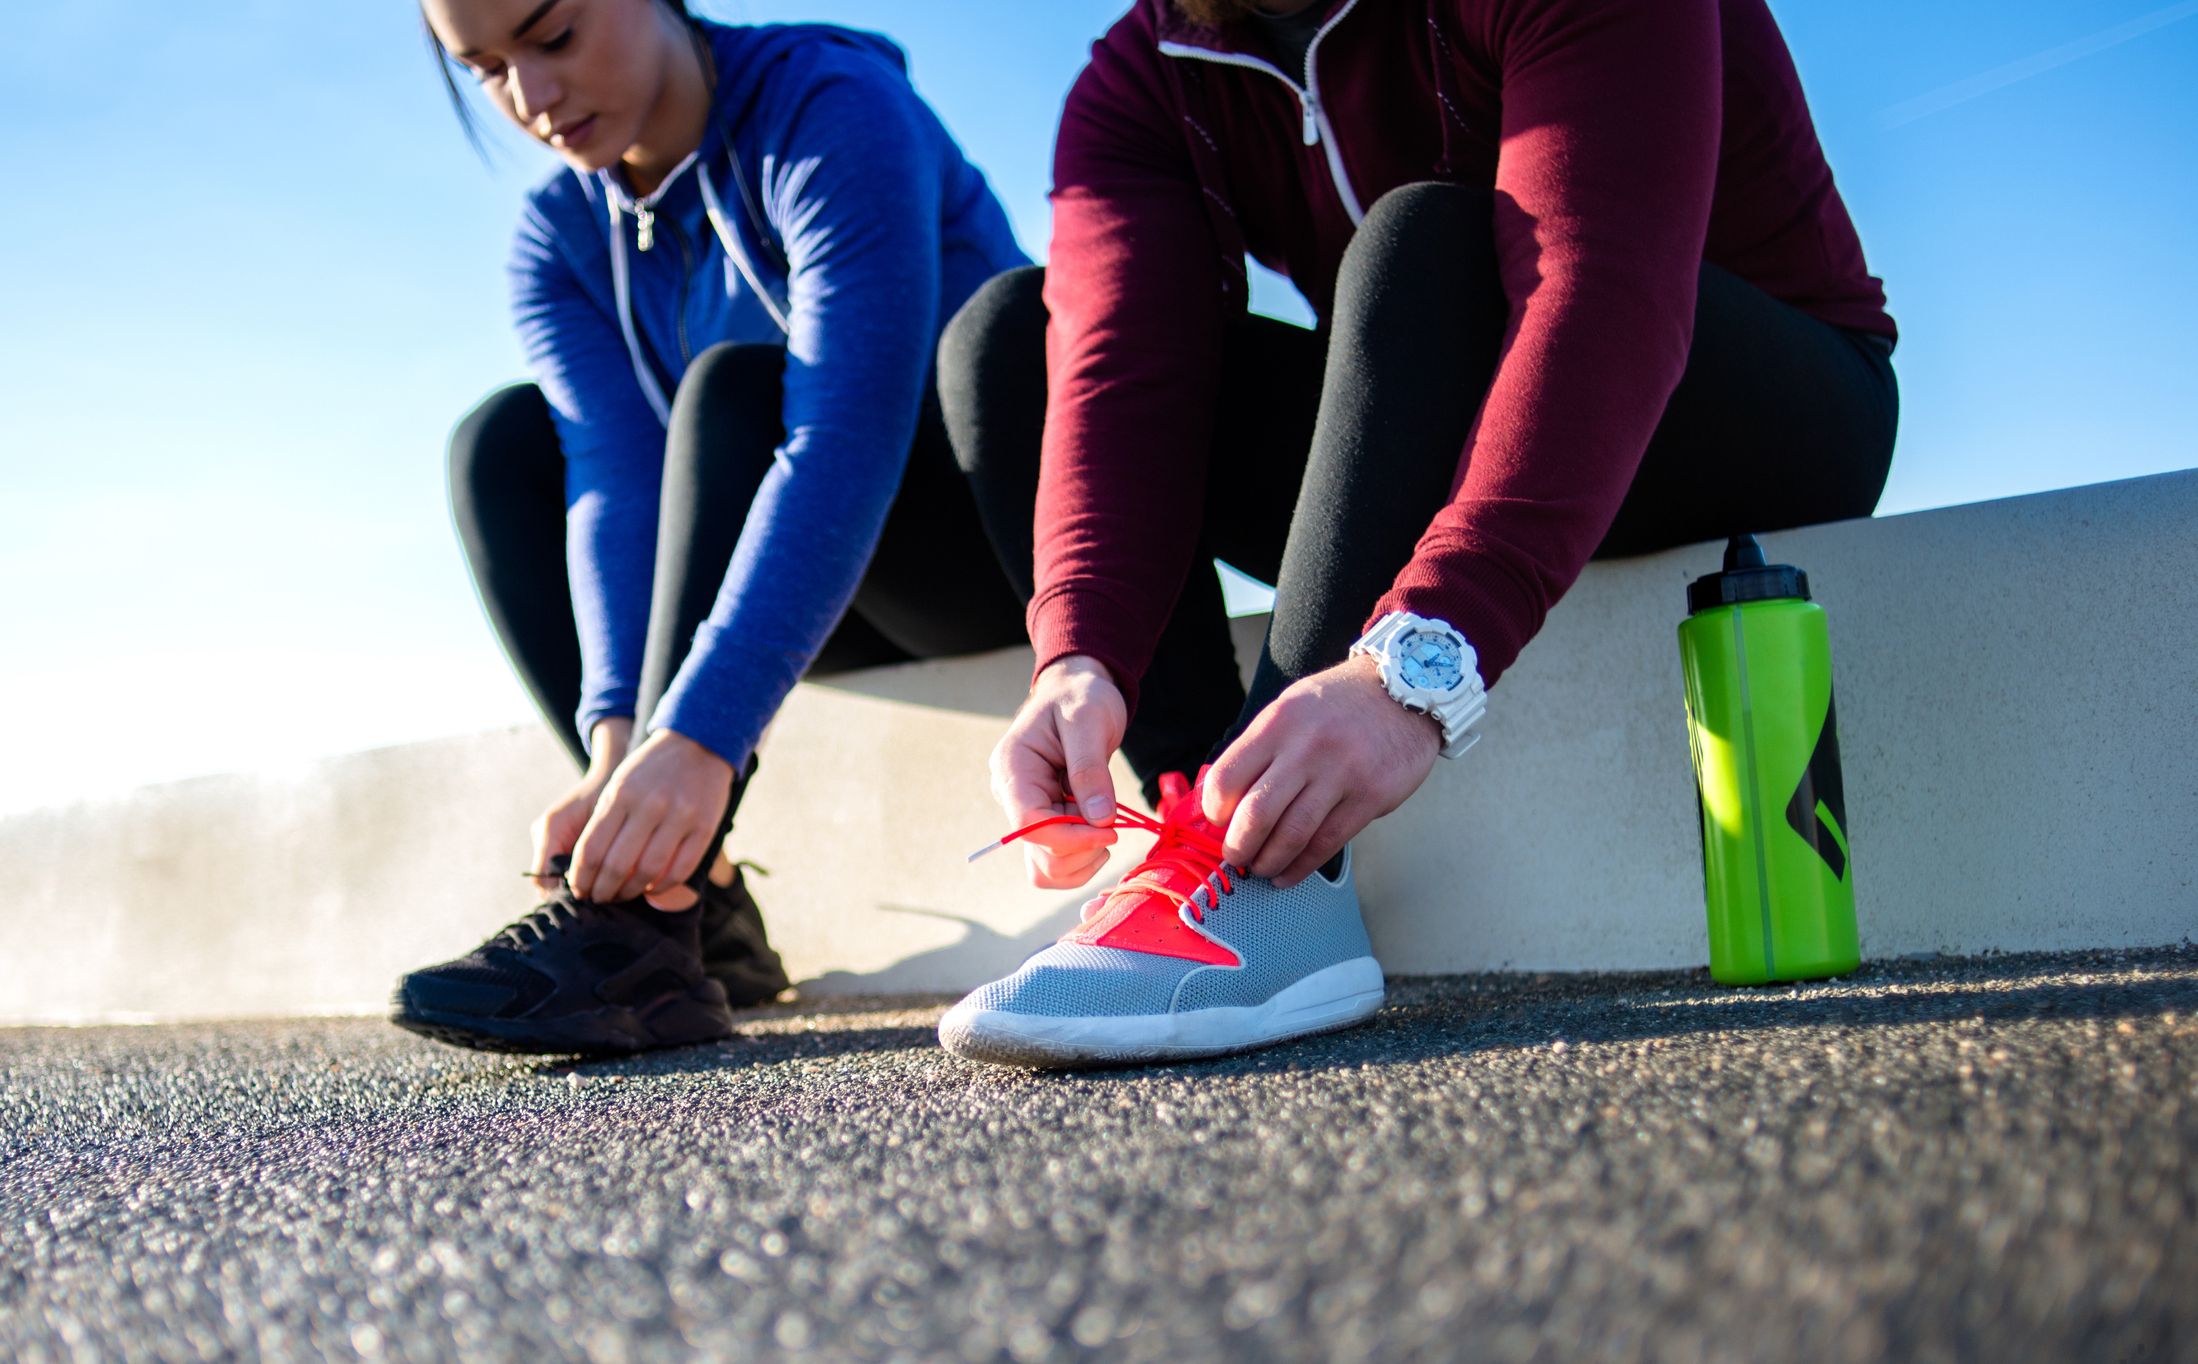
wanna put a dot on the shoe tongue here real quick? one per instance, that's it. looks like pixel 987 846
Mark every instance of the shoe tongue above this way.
pixel 1179 806
pixel 1143 918
pixel 1180 803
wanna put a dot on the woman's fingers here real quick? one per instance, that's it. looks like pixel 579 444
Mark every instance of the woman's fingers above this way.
pixel 605 855
pixel 544 881
pixel 654 820
pixel 610 849
pixel 659 863
pixel 666 886
pixel 553 836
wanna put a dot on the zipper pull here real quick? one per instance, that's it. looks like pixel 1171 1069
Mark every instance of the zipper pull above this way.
pixel 1311 108
pixel 644 221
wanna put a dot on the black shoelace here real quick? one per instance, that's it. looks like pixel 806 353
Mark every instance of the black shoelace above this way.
pixel 561 911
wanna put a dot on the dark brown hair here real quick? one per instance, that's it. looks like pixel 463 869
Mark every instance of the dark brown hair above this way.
pixel 447 65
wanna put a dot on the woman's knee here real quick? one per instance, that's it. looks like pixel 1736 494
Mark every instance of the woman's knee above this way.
pixel 726 416
pixel 509 438
pixel 991 361
pixel 1007 312
pixel 731 372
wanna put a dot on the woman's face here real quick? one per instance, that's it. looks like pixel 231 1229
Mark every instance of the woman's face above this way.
pixel 578 75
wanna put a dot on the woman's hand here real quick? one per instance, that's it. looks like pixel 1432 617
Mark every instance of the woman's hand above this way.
pixel 653 824
pixel 1053 761
pixel 558 827
pixel 1330 756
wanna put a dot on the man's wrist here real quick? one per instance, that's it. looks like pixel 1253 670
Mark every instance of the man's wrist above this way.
pixel 1425 664
pixel 1368 670
pixel 1072 666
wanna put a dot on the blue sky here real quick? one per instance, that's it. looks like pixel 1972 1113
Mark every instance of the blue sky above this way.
pixel 254 275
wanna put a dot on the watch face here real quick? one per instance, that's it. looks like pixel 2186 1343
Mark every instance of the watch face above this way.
pixel 1429 662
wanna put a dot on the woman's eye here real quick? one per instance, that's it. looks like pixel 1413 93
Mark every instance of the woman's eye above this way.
pixel 557 44
pixel 486 74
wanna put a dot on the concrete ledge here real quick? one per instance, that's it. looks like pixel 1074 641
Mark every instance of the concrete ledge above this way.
pixel 2018 692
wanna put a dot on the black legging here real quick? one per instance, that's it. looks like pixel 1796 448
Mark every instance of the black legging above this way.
pixel 932 588
pixel 1335 449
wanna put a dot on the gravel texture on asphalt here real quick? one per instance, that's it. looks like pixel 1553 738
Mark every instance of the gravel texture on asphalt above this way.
pixel 1933 1160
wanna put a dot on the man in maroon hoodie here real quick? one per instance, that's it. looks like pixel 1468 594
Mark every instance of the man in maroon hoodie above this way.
pixel 1584 284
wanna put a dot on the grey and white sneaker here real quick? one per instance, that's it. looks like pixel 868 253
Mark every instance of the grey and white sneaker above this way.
pixel 1185 958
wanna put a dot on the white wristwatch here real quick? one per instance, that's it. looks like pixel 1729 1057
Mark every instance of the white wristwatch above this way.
pixel 1428 667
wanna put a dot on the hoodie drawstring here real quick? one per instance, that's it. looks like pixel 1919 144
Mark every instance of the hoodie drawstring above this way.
pixel 622 280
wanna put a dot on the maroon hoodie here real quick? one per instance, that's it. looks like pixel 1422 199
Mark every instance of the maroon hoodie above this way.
pixel 1626 141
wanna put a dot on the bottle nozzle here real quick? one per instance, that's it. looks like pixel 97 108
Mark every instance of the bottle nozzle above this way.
pixel 1741 551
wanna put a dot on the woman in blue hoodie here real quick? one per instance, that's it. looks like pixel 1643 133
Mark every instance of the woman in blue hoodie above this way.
pixel 729 470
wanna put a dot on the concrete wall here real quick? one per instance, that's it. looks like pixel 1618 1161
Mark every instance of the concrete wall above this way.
pixel 2018 691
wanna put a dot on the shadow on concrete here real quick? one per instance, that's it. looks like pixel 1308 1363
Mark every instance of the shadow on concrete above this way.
pixel 980 952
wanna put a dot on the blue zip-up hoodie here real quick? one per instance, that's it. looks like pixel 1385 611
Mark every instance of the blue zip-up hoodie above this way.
pixel 828 211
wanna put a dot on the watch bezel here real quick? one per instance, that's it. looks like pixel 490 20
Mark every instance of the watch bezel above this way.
pixel 1455 710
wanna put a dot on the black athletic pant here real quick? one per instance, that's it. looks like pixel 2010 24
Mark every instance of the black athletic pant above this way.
pixel 933 587
pixel 1335 449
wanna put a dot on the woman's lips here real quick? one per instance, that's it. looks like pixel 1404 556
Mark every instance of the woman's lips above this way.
pixel 574 135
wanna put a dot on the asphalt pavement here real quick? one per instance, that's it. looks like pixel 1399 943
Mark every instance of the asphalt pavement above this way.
pixel 1988 1159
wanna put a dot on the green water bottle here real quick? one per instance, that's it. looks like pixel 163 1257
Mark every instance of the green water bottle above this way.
pixel 1776 865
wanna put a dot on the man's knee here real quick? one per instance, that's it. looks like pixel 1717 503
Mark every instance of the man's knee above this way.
pixel 1428 224
pixel 1423 263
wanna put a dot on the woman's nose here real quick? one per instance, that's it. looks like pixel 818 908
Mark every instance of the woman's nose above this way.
pixel 533 95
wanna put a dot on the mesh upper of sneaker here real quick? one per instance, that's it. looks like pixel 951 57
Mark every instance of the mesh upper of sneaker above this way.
pixel 485 968
pixel 1143 947
pixel 1070 980
pixel 566 953
pixel 1282 936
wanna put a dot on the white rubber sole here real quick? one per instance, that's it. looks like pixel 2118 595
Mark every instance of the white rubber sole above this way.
pixel 1333 997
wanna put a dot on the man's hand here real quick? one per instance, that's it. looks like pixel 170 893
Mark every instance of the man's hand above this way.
pixel 1053 761
pixel 653 823
pixel 1330 756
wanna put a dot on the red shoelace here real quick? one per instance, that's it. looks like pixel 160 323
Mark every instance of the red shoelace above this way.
pixel 1179 848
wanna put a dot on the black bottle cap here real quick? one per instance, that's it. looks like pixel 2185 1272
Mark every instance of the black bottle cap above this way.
pixel 1746 578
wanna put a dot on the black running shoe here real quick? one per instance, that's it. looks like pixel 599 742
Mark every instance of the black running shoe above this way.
pixel 735 951
pixel 574 976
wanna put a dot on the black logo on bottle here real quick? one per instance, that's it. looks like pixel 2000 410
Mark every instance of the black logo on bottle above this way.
pixel 1822 793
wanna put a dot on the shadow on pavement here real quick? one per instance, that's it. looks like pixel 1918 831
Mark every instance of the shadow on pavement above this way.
pixel 1434 1017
